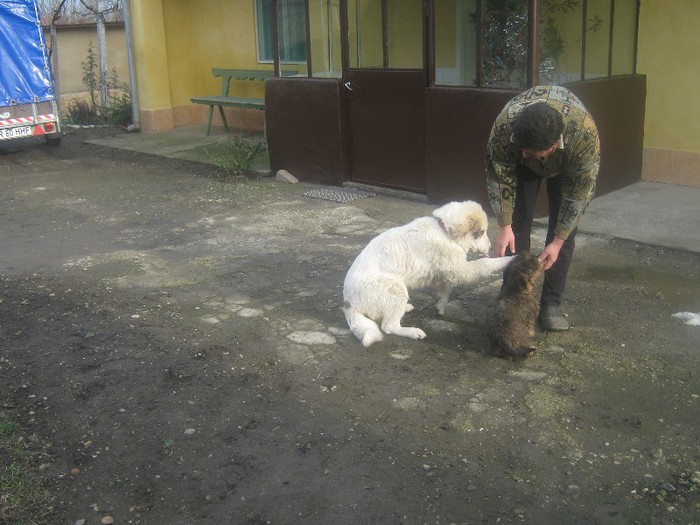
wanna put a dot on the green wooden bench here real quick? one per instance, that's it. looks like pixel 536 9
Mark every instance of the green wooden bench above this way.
pixel 227 75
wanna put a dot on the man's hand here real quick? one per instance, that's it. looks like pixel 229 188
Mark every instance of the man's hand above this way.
pixel 551 253
pixel 505 239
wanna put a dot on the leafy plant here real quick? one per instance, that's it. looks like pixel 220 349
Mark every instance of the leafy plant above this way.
pixel 237 156
pixel 115 110
pixel 120 111
pixel 79 111
pixel 90 76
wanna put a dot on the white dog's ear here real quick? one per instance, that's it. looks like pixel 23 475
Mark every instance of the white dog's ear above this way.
pixel 463 228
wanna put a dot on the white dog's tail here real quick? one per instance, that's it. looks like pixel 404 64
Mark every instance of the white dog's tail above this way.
pixel 366 330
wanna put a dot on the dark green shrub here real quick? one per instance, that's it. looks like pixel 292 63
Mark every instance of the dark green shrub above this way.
pixel 237 156
pixel 81 112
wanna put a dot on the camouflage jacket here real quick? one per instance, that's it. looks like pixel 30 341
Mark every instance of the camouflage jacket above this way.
pixel 578 157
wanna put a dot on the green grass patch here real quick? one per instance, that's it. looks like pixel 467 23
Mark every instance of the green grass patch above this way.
pixel 23 498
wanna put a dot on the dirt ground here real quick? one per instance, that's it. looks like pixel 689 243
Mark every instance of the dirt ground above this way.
pixel 173 346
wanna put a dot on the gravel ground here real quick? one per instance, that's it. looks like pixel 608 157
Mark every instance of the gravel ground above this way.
pixel 172 343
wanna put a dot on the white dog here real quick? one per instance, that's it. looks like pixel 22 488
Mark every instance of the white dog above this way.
pixel 427 252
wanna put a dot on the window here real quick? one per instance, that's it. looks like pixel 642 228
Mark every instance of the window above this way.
pixel 291 31
pixel 385 34
pixel 324 29
pixel 485 43
pixel 481 43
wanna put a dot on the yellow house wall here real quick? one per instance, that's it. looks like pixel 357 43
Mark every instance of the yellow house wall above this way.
pixel 151 64
pixel 177 43
pixel 668 38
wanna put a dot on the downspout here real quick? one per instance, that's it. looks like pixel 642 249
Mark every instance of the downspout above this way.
pixel 135 111
pixel 102 52
pixel 533 45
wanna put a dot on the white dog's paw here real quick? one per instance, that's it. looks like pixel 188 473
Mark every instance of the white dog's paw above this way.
pixel 407 331
pixel 409 308
pixel 417 333
pixel 482 268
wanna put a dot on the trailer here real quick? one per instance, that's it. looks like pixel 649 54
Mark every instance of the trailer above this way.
pixel 28 106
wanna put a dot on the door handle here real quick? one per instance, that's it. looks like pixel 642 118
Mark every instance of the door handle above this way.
pixel 347 86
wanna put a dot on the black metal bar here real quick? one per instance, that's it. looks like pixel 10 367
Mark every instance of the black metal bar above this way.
pixel 636 40
pixel 479 43
pixel 275 39
pixel 610 41
pixel 584 12
pixel 385 34
pixel 533 44
pixel 429 39
pixel 307 22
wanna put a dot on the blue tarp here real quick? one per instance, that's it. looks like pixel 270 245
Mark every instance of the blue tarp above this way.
pixel 25 75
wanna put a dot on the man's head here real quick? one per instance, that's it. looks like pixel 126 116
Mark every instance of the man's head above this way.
pixel 537 129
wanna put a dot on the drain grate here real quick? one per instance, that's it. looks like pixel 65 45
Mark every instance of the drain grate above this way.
pixel 338 195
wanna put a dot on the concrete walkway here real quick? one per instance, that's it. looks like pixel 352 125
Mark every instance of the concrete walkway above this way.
pixel 646 212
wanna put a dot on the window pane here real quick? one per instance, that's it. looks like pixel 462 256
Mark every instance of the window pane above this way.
pixel 624 37
pixel 291 30
pixel 504 30
pixel 504 43
pixel 455 43
pixel 560 46
pixel 325 38
pixel 291 16
pixel 365 33
pixel 597 38
pixel 263 17
pixel 405 33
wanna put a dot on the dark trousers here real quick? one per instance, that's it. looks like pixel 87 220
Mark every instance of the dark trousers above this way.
pixel 528 187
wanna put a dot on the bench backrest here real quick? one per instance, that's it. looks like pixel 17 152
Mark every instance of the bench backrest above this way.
pixel 245 74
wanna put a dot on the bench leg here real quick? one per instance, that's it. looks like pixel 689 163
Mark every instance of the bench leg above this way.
pixel 211 112
pixel 223 117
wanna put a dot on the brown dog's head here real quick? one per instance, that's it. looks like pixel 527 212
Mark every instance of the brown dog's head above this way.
pixel 520 276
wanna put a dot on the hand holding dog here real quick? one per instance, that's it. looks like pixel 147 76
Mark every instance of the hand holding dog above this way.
pixel 551 253
pixel 505 240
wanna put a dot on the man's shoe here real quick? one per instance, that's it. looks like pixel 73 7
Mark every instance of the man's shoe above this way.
pixel 552 319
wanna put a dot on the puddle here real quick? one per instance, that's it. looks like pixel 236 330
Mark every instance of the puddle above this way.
pixel 683 293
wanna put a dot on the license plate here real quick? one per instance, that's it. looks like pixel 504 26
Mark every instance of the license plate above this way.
pixel 13 133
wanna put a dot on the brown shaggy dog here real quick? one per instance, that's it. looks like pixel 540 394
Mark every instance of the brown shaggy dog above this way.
pixel 512 324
